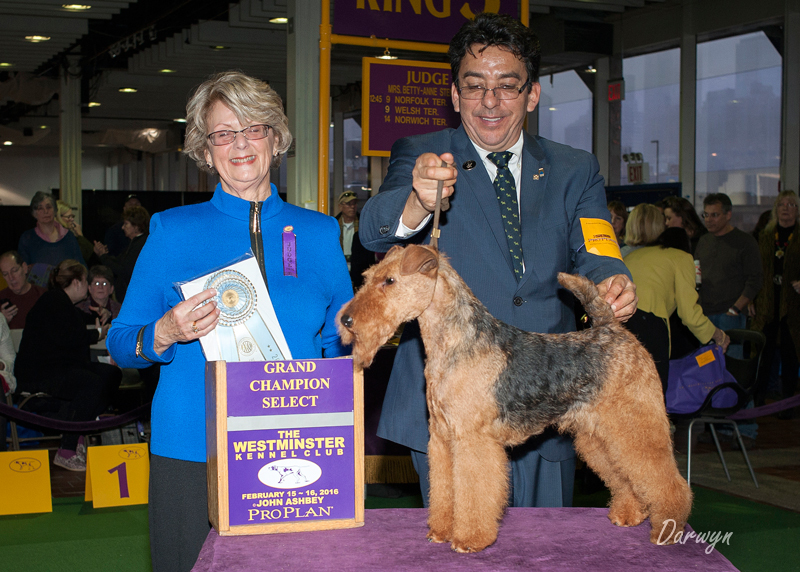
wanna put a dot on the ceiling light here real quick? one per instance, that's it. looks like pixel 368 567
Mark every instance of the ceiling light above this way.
pixel 128 90
pixel 37 39
pixel 43 127
pixel 387 55
pixel 8 143
pixel 165 70
pixel 76 7
pixel 280 20
pixel 179 120
pixel 590 69
pixel 219 47
pixel 94 104
pixel 5 65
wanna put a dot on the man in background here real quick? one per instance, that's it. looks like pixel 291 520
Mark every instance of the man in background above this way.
pixel 20 296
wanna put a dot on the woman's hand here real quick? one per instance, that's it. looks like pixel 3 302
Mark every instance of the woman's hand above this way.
pixel 76 229
pixel 99 248
pixel 102 329
pixel 796 285
pixel 187 321
pixel 721 339
pixel 105 313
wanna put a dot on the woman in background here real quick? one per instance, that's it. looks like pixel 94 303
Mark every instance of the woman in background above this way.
pixel 66 218
pixel 54 357
pixel 619 217
pixel 679 212
pixel 135 225
pixel 48 243
pixel 664 279
pixel 777 306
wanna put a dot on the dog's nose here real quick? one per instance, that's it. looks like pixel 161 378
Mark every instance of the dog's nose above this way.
pixel 347 321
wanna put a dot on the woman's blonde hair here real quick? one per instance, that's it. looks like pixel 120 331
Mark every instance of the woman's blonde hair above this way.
pixel 645 225
pixel 251 100
pixel 62 208
pixel 773 219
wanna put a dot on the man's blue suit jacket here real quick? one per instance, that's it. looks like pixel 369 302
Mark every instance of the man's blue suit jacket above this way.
pixel 472 236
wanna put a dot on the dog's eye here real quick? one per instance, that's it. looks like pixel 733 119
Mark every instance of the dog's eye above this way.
pixel 389 280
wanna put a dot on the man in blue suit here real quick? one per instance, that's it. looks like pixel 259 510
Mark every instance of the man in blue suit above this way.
pixel 511 267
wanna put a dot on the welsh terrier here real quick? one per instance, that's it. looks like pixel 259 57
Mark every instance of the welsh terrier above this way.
pixel 491 385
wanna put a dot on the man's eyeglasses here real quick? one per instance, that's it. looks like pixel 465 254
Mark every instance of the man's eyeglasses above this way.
pixel 98 284
pixel 508 91
pixel 712 215
pixel 252 133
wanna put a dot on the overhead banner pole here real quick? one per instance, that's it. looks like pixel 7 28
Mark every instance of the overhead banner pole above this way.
pixel 326 40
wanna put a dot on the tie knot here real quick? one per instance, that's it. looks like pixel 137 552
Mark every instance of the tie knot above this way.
pixel 500 158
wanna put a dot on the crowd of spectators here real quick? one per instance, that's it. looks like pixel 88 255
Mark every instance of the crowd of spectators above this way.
pixel 697 277
pixel 63 309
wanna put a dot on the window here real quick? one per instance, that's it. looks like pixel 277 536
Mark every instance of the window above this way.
pixel 651 113
pixel 565 110
pixel 738 119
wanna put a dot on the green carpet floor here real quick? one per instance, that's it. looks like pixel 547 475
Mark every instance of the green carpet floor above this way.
pixel 75 537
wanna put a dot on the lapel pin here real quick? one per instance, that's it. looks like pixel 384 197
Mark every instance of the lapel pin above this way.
pixel 468 165
pixel 540 175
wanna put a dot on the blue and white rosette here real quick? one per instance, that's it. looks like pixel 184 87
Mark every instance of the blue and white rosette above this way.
pixel 242 333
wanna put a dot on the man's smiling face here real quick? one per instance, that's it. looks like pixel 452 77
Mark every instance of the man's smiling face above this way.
pixel 494 124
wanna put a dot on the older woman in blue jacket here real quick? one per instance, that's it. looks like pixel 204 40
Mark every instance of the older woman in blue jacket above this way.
pixel 236 127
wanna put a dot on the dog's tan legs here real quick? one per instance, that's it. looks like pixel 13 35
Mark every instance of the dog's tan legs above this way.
pixel 440 505
pixel 481 491
pixel 625 509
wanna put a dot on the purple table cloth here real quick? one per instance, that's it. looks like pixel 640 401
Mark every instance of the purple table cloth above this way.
pixel 541 539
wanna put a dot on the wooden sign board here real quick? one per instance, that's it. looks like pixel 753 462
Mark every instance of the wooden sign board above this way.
pixel 285 443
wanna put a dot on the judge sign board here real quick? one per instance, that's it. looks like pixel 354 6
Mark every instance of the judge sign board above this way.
pixel 285 446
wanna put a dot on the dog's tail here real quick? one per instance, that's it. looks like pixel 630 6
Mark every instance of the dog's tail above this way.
pixel 586 292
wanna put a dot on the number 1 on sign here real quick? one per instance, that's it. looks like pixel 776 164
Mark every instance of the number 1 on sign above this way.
pixel 122 475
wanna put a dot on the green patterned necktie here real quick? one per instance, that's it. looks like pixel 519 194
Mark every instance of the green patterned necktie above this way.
pixel 507 196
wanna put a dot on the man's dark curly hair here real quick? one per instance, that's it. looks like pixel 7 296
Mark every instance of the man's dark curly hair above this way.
pixel 501 30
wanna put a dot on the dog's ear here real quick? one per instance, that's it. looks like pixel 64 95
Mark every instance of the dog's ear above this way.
pixel 418 259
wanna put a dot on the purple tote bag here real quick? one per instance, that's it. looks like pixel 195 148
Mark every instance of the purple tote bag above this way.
pixel 691 378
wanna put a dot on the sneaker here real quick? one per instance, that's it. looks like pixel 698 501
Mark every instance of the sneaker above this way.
pixel 80 450
pixel 74 463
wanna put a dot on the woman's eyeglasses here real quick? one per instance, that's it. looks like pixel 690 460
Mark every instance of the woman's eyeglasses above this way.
pixel 252 133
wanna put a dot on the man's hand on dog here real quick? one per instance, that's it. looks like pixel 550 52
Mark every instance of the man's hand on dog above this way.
pixel 620 292
pixel 427 173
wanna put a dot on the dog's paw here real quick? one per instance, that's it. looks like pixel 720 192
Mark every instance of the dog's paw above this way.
pixel 434 536
pixel 627 516
pixel 463 548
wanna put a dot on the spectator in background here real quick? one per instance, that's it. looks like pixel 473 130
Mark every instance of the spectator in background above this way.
pixel 65 216
pixel 7 357
pixel 101 287
pixel 730 264
pixel 762 223
pixel 48 243
pixel 348 223
pixel 679 212
pixel 54 358
pixel 115 240
pixel 135 225
pixel 664 279
pixel 19 297
pixel 619 218
pixel 777 306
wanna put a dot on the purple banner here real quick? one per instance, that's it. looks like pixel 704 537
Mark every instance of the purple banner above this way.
pixel 404 98
pixel 430 21
pixel 290 387
pixel 289 475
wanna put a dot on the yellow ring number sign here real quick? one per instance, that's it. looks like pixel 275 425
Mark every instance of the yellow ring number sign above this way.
pixel 117 475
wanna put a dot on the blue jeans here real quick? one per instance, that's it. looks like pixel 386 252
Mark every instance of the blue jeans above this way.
pixel 726 322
